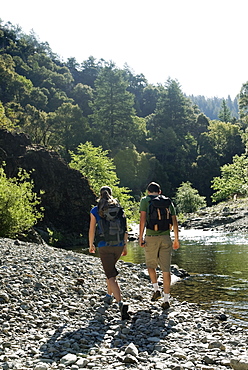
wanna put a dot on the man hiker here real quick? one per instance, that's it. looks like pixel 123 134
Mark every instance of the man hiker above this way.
pixel 157 215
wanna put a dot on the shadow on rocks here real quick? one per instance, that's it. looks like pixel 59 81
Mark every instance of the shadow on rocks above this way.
pixel 65 339
pixel 145 329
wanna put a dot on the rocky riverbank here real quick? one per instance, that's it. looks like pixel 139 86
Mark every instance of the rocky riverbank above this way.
pixel 230 216
pixel 53 317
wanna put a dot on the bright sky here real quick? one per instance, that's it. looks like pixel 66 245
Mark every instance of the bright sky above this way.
pixel 202 44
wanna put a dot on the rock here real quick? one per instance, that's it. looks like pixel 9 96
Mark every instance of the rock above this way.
pixel 221 317
pixel 239 363
pixel 68 359
pixel 41 366
pixel 229 216
pixel 82 362
pixel 53 321
pixel 67 196
pixel 129 359
pixel 132 350
pixel 4 297
pixel 216 344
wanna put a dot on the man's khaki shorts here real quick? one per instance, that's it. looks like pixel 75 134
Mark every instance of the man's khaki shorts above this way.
pixel 158 250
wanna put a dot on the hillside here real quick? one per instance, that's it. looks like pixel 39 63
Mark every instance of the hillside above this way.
pixel 151 132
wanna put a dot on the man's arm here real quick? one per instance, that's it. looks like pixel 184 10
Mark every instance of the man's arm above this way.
pixel 176 244
pixel 142 225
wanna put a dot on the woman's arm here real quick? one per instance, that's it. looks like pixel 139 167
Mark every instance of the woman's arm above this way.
pixel 124 253
pixel 92 231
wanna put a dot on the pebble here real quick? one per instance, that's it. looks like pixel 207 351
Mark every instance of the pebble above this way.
pixel 52 317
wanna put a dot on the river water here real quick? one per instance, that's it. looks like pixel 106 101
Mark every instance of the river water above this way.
pixel 218 268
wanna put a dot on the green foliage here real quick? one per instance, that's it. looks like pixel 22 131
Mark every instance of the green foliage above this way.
pixel 188 199
pixel 224 136
pixel 133 168
pixel 243 103
pixel 35 125
pixel 112 108
pixel 212 107
pixel 161 133
pixel 99 169
pixel 5 123
pixel 67 128
pixel 225 113
pixel 18 202
pixel 233 179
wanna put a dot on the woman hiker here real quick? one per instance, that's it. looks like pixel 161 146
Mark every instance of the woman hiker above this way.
pixel 111 237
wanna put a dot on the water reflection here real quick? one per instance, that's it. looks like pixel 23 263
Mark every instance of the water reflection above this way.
pixel 218 265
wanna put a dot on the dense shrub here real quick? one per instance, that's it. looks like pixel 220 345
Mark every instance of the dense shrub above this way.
pixel 233 179
pixel 188 199
pixel 18 204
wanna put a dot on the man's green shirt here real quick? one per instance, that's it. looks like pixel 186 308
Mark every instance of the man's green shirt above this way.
pixel 144 206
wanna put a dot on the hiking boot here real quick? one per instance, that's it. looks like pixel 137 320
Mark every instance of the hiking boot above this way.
pixel 108 299
pixel 156 296
pixel 165 305
pixel 124 314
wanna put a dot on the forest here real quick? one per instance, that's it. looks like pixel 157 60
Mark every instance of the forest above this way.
pixel 148 132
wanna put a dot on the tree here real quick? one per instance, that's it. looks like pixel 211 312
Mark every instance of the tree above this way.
pixel 226 140
pixel 243 103
pixel 233 179
pixel 174 110
pixel 188 199
pixel 95 164
pixel 82 96
pixel 113 112
pixel 68 128
pixel 212 106
pixel 225 113
pixel 149 99
pixel 90 70
pixel 5 122
pixel 243 109
pixel 14 87
pixel 134 169
pixel 137 84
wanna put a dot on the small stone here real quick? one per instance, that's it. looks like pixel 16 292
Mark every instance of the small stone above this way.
pixel 129 359
pixel 41 366
pixel 218 345
pixel 239 363
pixel 68 359
pixel 82 362
pixel 4 297
pixel 153 339
pixel 132 350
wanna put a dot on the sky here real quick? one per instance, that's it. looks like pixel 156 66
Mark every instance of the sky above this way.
pixel 202 44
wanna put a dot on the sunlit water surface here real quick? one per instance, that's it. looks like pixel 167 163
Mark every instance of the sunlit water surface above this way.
pixel 218 268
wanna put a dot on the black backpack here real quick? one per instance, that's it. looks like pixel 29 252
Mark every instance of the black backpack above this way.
pixel 112 226
pixel 159 214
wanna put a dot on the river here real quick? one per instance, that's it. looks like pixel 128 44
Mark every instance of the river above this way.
pixel 218 267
